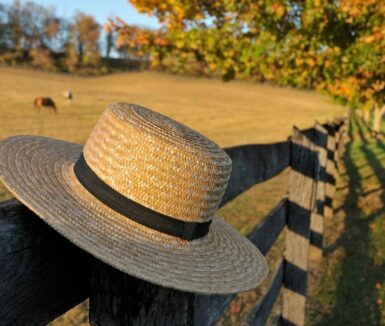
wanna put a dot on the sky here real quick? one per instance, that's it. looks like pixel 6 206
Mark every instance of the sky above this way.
pixel 100 9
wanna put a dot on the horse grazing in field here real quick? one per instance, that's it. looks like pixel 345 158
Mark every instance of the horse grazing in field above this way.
pixel 46 102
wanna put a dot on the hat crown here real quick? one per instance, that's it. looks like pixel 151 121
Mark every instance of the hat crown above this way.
pixel 158 162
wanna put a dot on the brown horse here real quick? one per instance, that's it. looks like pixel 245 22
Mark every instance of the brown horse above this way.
pixel 46 102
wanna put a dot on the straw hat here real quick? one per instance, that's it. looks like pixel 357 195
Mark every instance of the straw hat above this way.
pixel 140 196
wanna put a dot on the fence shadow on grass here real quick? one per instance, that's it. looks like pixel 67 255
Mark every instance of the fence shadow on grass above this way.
pixel 355 292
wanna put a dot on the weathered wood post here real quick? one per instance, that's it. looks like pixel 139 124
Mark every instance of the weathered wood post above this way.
pixel 304 164
pixel 320 137
pixel 119 299
pixel 331 171
pixel 342 142
pixel 42 275
pixel 339 134
pixel 343 133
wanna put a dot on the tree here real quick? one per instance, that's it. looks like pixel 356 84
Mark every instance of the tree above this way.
pixel 52 27
pixel 25 27
pixel 357 74
pixel 237 39
pixel 110 37
pixel 41 58
pixel 33 34
pixel 3 28
pixel 14 26
pixel 85 33
pixel 143 44
pixel 336 46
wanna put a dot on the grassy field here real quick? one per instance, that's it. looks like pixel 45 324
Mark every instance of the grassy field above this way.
pixel 229 113
pixel 349 288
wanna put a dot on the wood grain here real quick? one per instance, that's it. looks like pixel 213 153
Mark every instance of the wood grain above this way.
pixel 304 164
pixel 120 299
pixel 42 274
pixel 267 231
pixel 253 164
pixel 319 138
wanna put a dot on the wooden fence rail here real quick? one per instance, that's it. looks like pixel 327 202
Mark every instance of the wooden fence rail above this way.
pixel 43 275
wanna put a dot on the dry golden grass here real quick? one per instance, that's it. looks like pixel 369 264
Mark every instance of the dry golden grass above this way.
pixel 229 113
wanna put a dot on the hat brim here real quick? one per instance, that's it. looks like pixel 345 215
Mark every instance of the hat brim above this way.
pixel 39 172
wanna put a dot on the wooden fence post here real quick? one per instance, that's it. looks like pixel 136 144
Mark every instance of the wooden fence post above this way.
pixel 339 134
pixel 304 164
pixel 119 299
pixel 320 137
pixel 42 274
pixel 331 171
pixel 344 132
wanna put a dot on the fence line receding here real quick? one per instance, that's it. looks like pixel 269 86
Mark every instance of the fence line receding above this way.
pixel 43 275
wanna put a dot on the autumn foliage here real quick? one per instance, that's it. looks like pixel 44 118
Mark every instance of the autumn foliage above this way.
pixel 336 46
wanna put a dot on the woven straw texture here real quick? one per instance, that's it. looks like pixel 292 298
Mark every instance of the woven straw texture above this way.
pixel 156 162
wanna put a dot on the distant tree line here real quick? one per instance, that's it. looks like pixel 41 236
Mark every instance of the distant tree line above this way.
pixel 337 46
pixel 31 34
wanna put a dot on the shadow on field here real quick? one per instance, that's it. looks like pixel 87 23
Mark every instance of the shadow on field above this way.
pixel 358 274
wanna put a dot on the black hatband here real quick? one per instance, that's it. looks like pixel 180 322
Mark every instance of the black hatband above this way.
pixel 135 211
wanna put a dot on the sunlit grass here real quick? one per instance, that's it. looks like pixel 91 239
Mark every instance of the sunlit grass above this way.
pixel 351 288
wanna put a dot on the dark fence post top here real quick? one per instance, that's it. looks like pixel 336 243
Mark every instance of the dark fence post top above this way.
pixel 42 275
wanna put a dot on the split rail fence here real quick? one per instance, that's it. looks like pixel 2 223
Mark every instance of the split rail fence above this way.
pixel 42 275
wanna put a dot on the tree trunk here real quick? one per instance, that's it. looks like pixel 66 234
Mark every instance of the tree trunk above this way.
pixel 378 113
pixel 366 116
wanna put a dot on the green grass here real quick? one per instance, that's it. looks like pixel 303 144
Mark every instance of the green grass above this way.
pixel 350 288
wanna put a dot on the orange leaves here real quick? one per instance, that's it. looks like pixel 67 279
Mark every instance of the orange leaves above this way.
pixel 174 13
pixel 346 88
pixel 139 42
pixel 328 64
pixel 278 9
pixel 120 41
pixel 376 34
pixel 107 27
pixel 355 8
pixel 299 61
pixel 378 86
pixel 369 38
pixel 308 61
pixel 160 40
pixel 338 46
pixel 351 8
pixel 311 62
